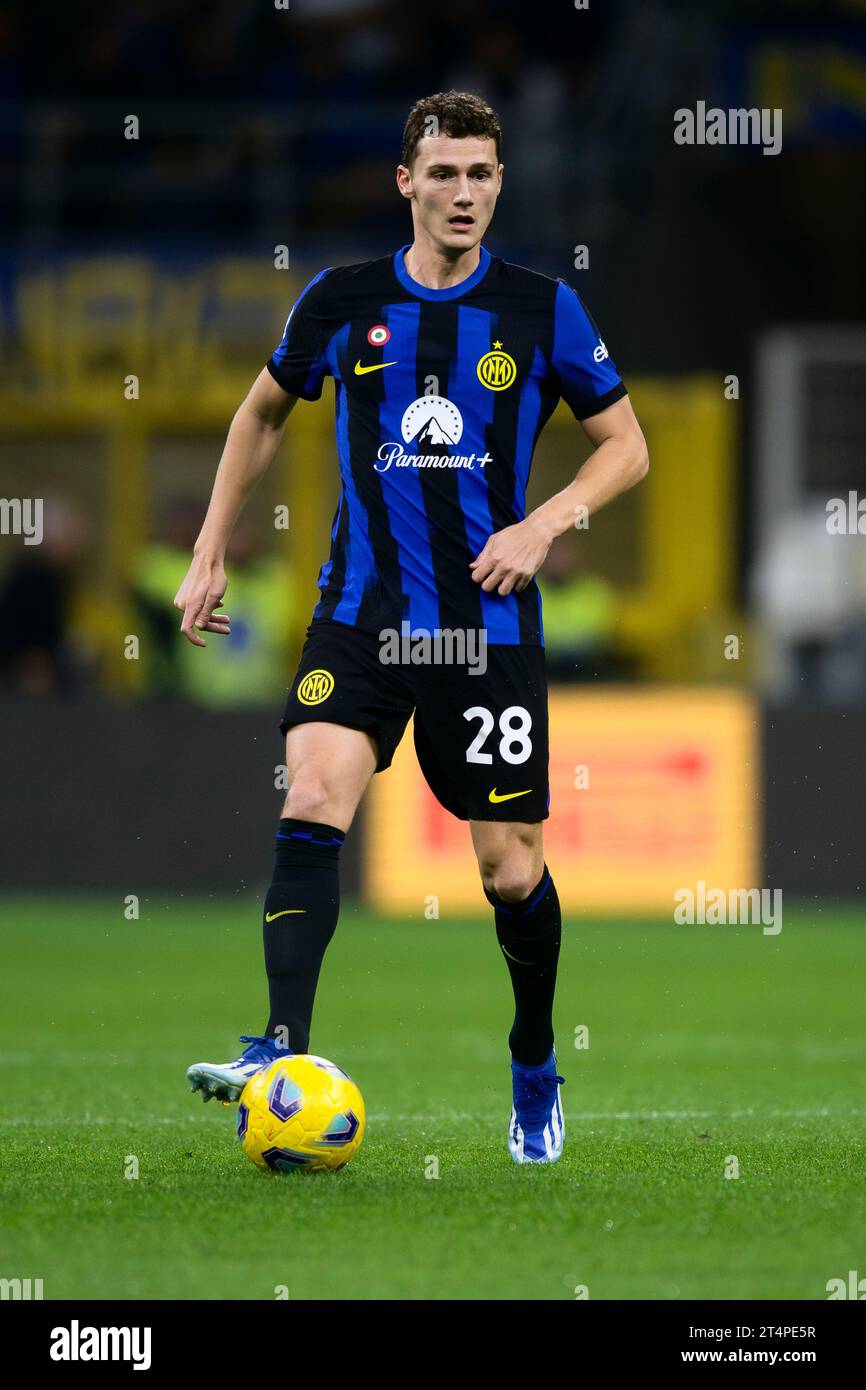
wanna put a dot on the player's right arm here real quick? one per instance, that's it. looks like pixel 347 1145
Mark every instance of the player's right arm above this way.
pixel 297 368
pixel 252 441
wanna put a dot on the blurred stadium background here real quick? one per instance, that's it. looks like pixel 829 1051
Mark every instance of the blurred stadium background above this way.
pixel 707 634
pixel 730 289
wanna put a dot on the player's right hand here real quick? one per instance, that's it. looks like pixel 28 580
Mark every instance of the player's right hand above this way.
pixel 200 594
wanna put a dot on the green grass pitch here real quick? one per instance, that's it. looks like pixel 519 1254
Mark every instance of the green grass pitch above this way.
pixel 704 1043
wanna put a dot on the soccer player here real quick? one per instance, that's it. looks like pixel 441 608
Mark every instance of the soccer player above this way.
pixel 447 362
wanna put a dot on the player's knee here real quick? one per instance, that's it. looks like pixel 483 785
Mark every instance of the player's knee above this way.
pixel 512 880
pixel 308 798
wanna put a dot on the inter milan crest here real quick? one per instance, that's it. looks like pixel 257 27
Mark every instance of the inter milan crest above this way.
pixel 496 370
pixel 315 687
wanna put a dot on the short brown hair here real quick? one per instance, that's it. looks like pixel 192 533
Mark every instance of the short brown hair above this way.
pixel 457 114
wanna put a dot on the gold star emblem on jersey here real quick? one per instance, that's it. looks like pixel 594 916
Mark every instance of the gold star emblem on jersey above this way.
pixel 315 687
pixel 496 370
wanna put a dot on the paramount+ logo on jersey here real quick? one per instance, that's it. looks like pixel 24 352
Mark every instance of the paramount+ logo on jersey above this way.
pixel 429 424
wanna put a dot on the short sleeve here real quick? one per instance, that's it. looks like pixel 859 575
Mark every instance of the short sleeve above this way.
pixel 586 377
pixel 299 363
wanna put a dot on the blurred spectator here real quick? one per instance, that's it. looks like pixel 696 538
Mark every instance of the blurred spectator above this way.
pixel 37 656
pixel 810 592
pixel 579 614
pixel 249 667
pixel 159 572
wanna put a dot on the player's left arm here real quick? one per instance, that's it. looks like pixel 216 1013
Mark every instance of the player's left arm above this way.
pixel 513 556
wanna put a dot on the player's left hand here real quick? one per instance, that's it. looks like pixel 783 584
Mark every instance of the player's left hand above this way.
pixel 512 557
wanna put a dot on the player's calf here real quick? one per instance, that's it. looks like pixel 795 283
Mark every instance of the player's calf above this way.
pixel 529 932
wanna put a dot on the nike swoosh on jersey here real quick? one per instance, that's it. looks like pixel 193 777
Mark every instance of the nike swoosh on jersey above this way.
pixel 375 367
pixel 506 796
pixel 286 912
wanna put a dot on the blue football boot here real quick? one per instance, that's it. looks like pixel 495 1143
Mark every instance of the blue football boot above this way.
pixel 536 1130
pixel 226 1080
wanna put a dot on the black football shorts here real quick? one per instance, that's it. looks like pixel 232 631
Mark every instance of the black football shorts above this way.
pixel 480 734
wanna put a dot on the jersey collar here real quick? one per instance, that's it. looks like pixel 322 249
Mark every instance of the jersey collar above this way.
pixel 453 291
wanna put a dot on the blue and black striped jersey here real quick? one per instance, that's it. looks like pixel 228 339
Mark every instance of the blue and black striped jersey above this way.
pixel 440 396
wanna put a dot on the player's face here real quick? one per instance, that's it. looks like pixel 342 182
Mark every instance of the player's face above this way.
pixel 453 184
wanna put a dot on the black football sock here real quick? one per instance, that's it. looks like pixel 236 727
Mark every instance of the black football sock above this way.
pixel 529 934
pixel 300 917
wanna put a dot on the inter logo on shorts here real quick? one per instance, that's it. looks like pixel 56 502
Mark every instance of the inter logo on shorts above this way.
pixel 496 369
pixel 378 336
pixel 315 687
